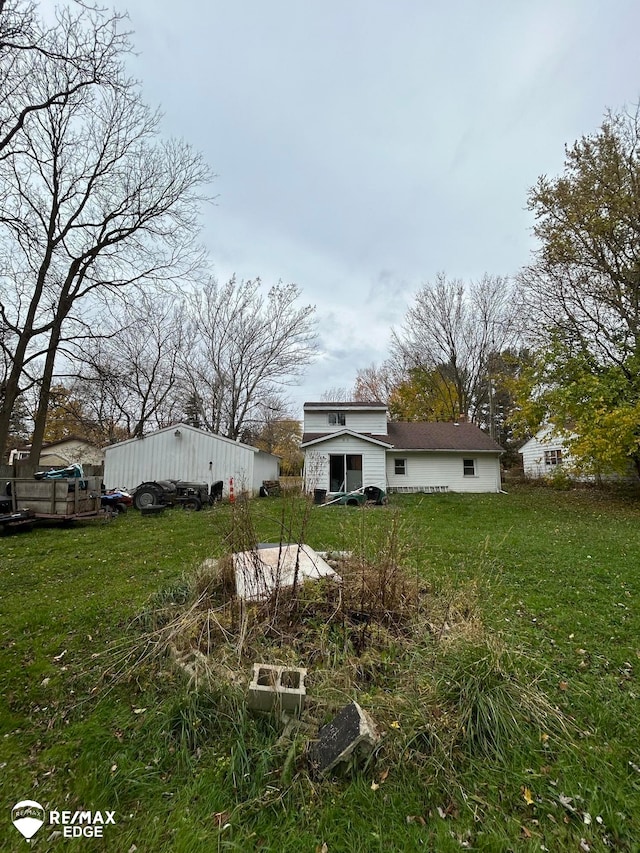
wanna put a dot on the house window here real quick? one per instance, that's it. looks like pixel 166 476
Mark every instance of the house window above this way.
pixel 400 466
pixel 469 467
pixel 336 419
pixel 552 457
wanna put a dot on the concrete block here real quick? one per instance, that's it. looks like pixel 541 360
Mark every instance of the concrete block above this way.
pixel 351 732
pixel 278 688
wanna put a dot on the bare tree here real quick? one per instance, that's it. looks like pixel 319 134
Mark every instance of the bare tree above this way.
pixel 378 382
pixel 246 347
pixel 93 203
pixel 82 48
pixel 452 329
pixel 129 379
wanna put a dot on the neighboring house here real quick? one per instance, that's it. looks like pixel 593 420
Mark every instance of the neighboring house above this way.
pixel 349 446
pixel 64 452
pixel 544 453
pixel 183 452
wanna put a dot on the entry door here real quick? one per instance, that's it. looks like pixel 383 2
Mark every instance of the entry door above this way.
pixel 345 472
pixel 354 472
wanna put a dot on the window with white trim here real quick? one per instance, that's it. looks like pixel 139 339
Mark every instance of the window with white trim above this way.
pixel 552 457
pixel 336 419
pixel 469 467
pixel 400 466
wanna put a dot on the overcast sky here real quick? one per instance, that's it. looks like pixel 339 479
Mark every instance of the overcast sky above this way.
pixel 361 146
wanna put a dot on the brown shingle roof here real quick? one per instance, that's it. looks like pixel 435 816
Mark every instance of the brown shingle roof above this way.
pixel 440 436
pixel 425 436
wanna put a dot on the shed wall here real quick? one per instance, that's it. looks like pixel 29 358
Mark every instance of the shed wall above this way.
pixel 265 467
pixel 193 455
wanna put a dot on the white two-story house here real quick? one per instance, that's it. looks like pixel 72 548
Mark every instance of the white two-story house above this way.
pixel 350 446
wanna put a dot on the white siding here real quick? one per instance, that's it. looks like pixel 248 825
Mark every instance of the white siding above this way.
pixel 317 461
pixel 193 455
pixel 435 469
pixel 533 453
pixel 73 450
pixel 265 467
pixel 372 422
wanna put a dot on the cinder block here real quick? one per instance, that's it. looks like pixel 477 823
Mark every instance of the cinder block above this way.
pixel 277 688
pixel 352 731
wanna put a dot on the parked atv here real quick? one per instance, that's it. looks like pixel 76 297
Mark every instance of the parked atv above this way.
pixel 117 500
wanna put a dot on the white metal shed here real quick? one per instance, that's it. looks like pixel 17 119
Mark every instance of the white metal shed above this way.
pixel 183 452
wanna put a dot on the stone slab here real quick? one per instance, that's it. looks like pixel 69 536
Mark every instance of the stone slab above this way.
pixel 260 572
pixel 351 730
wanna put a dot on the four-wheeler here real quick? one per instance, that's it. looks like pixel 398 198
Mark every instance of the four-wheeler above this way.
pixel 116 500
pixel 176 493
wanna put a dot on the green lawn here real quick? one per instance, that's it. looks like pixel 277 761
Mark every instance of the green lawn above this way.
pixel 555 577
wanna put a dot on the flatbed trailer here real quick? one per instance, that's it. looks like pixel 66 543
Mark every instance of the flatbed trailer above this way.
pixel 17 519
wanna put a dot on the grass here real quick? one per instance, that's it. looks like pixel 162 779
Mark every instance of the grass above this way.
pixel 544 583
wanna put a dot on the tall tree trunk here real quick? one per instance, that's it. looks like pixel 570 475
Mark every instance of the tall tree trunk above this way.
pixel 45 394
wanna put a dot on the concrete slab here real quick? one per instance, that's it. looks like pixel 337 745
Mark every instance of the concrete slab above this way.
pixel 352 731
pixel 260 572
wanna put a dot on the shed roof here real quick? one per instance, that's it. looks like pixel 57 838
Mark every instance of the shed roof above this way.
pixel 182 426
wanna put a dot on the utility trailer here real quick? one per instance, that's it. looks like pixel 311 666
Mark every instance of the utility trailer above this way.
pixel 63 499
pixel 8 519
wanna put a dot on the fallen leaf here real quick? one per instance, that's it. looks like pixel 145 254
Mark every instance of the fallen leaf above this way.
pixel 526 793
pixel 45 681
pixel 441 812
pixel 586 818
pixel 584 846
pixel 322 848
pixel 416 818
pixel 383 776
pixel 563 685
pixel 374 786
pixel 526 832
pixel 60 656
pixel 132 849
pixel 544 737
pixel 221 819
pixel 139 710
pixel 114 767
pixel 395 724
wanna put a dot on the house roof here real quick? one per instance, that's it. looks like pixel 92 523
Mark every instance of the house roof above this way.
pixel 421 436
pixel 313 437
pixel 440 436
pixel 352 404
